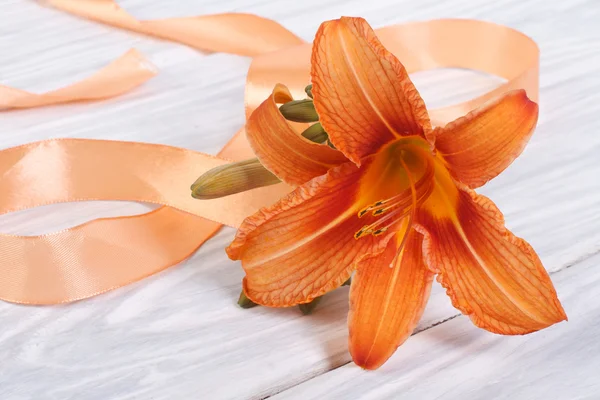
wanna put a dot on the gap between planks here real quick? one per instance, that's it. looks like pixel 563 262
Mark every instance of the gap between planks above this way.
pixel 416 332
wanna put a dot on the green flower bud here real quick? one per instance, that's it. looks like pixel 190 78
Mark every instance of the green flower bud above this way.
pixel 308 308
pixel 308 90
pixel 245 302
pixel 315 133
pixel 232 178
pixel 299 111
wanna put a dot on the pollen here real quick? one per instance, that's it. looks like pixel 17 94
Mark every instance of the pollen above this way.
pixel 390 212
pixel 379 231
pixel 372 207
pixel 361 233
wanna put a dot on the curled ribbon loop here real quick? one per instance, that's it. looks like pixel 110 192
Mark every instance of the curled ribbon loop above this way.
pixel 235 33
pixel 122 75
pixel 90 259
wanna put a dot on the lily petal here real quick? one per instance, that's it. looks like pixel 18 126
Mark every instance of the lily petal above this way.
pixel 490 274
pixel 387 301
pixel 477 147
pixel 281 149
pixel 362 93
pixel 304 245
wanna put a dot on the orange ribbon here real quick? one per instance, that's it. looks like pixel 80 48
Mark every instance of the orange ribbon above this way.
pixel 107 253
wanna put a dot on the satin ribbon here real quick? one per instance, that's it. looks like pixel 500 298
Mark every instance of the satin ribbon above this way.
pixel 107 253
pixel 122 75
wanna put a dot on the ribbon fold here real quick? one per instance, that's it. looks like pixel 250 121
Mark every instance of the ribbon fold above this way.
pixel 122 75
pixel 108 253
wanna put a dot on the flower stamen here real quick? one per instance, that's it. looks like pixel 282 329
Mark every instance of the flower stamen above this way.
pixel 400 206
pixel 412 214
pixel 365 210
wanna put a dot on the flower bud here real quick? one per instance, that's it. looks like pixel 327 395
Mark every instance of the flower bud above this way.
pixel 308 90
pixel 308 308
pixel 299 111
pixel 315 133
pixel 245 302
pixel 233 178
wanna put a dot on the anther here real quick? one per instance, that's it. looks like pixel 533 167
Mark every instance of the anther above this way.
pixel 379 231
pixel 365 210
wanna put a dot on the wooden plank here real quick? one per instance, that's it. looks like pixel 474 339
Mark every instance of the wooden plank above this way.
pixel 179 334
pixel 455 360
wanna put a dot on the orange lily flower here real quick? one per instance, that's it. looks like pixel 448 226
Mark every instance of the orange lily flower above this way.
pixel 400 211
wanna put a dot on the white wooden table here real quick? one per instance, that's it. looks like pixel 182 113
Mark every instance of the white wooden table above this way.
pixel 180 334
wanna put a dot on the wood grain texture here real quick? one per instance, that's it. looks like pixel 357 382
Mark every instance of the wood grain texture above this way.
pixel 180 335
pixel 455 361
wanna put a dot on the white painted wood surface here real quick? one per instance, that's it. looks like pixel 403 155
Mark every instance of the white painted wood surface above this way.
pixel 179 334
pixel 454 361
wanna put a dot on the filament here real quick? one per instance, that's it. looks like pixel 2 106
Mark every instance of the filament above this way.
pixel 400 206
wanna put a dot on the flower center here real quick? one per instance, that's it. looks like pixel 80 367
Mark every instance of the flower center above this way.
pixel 401 175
